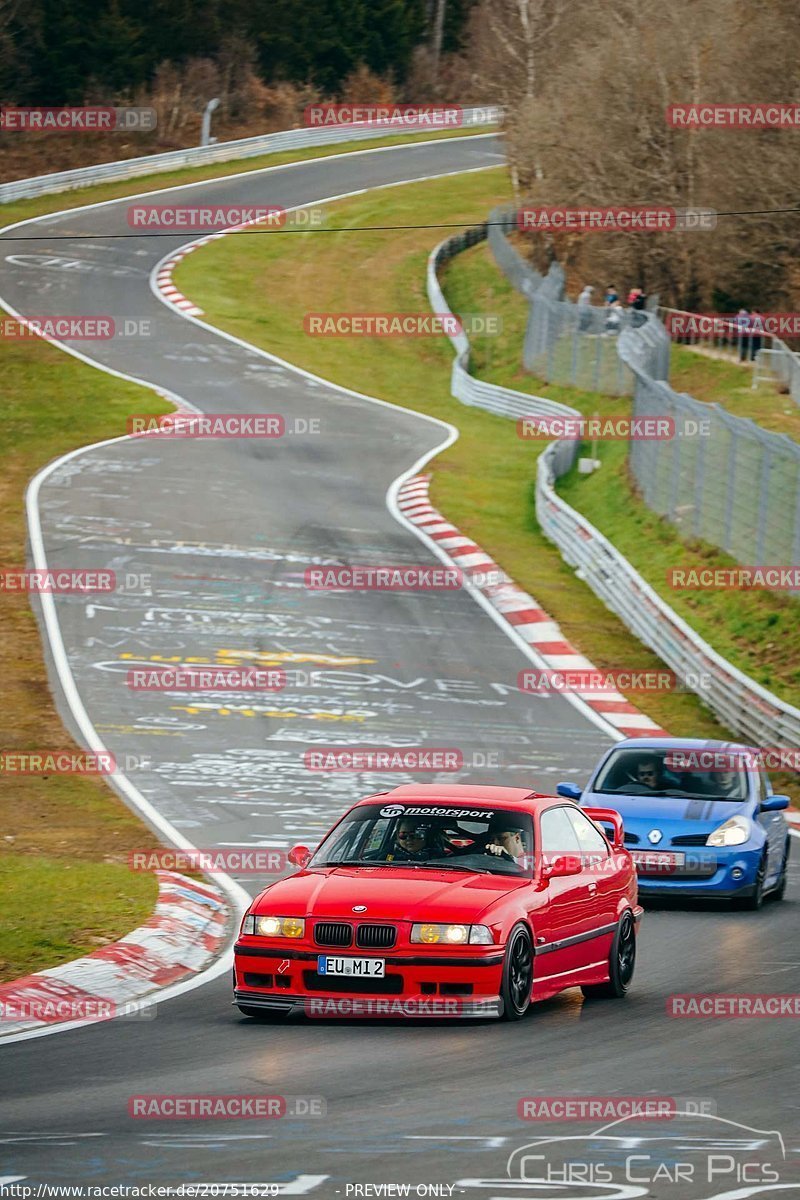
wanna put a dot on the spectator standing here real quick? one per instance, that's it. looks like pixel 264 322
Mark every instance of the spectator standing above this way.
pixel 584 304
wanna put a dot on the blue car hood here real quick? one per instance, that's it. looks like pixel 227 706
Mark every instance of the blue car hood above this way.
pixel 697 816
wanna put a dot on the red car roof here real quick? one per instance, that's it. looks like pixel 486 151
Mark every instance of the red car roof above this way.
pixel 458 793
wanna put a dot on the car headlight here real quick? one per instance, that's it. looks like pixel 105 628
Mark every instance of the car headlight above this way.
pixel 288 927
pixel 734 832
pixel 451 935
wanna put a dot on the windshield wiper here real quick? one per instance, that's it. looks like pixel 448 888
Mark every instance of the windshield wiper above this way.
pixel 346 862
pixel 436 866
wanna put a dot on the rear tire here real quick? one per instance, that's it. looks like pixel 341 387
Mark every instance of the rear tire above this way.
pixel 515 989
pixel 621 963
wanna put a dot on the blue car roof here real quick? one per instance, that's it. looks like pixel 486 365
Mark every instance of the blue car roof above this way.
pixel 662 743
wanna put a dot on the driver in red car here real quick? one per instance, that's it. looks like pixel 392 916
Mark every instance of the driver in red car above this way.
pixel 505 839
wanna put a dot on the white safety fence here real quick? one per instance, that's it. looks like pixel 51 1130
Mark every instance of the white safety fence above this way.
pixel 198 156
pixel 744 706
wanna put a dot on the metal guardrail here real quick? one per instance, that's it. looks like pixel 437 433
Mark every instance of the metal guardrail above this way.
pixel 742 704
pixel 196 156
pixel 505 402
pixel 748 709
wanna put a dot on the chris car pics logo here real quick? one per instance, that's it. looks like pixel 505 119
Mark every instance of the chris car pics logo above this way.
pixel 718 1159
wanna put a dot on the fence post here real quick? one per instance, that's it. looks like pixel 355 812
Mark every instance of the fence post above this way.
pixel 763 505
pixel 727 535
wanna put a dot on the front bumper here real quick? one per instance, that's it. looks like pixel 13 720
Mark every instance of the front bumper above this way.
pixel 712 872
pixel 414 984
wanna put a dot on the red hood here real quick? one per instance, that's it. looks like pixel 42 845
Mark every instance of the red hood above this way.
pixel 390 894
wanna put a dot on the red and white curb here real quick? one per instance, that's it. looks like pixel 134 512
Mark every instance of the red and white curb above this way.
pixel 163 276
pixel 519 609
pixel 167 288
pixel 187 930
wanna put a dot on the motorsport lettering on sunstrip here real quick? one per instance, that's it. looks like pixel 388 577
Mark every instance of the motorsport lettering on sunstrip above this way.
pixel 427 810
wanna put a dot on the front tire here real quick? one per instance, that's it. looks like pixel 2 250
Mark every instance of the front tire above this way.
pixel 515 989
pixel 780 890
pixel 754 901
pixel 621 963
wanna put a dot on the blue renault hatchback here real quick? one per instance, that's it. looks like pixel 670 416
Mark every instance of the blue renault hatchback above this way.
pixel 700 817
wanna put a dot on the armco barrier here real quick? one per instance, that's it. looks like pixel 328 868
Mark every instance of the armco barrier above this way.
pixel 744 706
pixel 505 402
pixel 197 156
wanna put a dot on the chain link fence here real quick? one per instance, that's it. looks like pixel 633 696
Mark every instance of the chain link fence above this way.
pixel 565 343
pixel 724 480
pixel 746 707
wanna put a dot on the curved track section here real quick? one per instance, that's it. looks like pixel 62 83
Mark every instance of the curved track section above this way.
pixel 225 531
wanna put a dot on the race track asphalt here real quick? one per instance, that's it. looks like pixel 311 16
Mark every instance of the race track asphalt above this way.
pixel 219 535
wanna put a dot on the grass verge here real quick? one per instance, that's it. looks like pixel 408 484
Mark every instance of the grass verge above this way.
pixel 65 838
pixel 714 380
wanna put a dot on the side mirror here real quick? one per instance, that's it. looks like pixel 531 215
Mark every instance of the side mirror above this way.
pixel 570 790
pixel 299 856
pixel 560 866
pixel 775 803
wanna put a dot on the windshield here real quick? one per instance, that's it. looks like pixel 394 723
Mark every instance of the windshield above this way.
pixel 659 773
pixel 431 836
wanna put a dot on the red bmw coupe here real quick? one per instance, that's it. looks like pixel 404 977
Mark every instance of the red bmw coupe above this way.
pixel 457 900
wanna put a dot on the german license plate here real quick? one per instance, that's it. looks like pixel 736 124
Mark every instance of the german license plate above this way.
pixel 362 968
pixel 657 862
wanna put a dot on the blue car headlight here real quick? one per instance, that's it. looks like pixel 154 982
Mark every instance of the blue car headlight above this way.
pixel 734 832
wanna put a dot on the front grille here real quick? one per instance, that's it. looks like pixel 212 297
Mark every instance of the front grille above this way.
pixel 631 839
pixel 333 933
pixel 690 839
pixel 376 936
pixel 390 985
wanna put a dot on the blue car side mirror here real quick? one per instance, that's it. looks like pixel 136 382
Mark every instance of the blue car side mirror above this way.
pixel 775 803
pixel 570 790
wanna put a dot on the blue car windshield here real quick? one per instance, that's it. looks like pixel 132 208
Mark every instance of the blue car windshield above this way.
pixel 673 772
